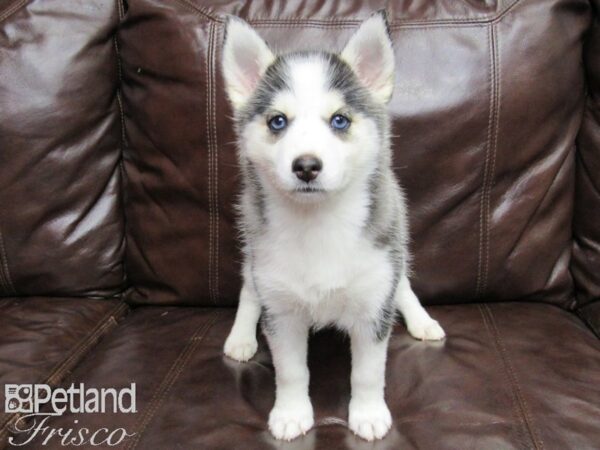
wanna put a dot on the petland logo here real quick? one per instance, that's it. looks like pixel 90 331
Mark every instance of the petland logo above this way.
pixel 38 403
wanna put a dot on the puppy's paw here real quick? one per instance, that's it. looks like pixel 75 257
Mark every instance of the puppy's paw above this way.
pixel 290 421
pixel 240 348
pixel 369 420
pixel 426 330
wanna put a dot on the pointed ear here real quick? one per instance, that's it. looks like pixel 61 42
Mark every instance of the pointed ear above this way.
pixel 245 58
pixel 369 53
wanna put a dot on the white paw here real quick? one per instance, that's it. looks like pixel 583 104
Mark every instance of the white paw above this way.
pixel 369 420
pixel 289 422
pixel 240 348
pixel 427 330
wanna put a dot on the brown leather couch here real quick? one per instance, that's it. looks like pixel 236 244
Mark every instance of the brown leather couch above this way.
pixel 118 254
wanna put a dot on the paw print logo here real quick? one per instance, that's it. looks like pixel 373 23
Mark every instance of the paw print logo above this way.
pixel 18 398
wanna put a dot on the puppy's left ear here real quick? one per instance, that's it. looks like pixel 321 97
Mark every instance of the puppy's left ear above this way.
pixel 370 54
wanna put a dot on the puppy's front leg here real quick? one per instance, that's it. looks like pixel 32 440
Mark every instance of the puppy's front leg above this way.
pixel 241 344
pixel 369 416
pixel 292 414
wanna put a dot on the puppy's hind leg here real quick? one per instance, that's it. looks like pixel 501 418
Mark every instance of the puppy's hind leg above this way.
pixel 418 322
pixel 241 343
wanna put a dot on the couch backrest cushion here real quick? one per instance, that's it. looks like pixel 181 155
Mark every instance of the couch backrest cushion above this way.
pixel 487 103
pixel 61 221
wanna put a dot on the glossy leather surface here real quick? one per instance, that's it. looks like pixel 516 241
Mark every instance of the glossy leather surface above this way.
pixel 485 119
pixel 61 225
pixel 510 376
pixel 490 97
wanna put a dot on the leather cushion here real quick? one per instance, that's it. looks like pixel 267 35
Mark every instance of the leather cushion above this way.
pixel 487 104
pixel 61 225
pixel 510 376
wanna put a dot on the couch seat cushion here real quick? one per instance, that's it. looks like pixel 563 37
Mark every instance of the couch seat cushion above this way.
pixel 509 376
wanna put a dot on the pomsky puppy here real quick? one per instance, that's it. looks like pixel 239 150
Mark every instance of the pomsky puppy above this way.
pixel 323 219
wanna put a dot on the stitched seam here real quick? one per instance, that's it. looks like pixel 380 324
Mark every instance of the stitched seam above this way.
pixel 199 10
pixel 489 168
pixel 86 342
pixel 482 215
pixel 346 23
pixel 11 10
pixel 82 345
pixel 76 355
pixel 210 160
pixel 122 145
pixel 119 101
pixel 207 63
pixel 121 9
pixel 171 377
pixel 494 145
pixel 3 283
pixel 10 287
pixel 399 22
pixel 514 382
pixel 483 250
pixel 513 399
pixel 215 162
pixel 107 323
pixel 354 25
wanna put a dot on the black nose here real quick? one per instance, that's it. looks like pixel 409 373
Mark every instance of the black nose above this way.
pixel 307 167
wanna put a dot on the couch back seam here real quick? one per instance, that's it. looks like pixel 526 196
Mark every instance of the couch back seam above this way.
pixel 123 140
pixel 215 158
pixel 352 23
pixel 212 178
pixel 489 166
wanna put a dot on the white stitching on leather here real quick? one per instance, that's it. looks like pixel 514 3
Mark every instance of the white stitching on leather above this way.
pixel 10 287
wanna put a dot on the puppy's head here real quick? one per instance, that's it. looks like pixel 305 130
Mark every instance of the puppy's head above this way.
pixel 311 123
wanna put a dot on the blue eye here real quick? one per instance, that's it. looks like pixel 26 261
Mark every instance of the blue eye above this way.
pixel 339 122
pixel 278 123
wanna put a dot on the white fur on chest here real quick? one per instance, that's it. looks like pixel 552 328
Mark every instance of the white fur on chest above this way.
pixel 322 264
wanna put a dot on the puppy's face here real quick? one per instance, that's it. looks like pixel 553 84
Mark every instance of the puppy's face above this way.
pixel 310 123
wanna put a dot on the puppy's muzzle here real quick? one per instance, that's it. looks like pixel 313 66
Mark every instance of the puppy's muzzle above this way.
pixel 307 167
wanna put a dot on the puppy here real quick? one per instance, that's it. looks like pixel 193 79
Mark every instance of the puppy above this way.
pixel 323 219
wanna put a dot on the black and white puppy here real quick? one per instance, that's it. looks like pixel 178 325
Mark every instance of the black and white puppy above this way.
pixel 323 218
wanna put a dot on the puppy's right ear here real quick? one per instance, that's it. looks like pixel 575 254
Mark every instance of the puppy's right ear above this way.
pixel 246 56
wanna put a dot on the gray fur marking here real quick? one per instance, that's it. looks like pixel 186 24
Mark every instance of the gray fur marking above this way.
pixel 357 97
pixel 266 322
pixel 273 81
pixel 258 194
pixel 383 326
